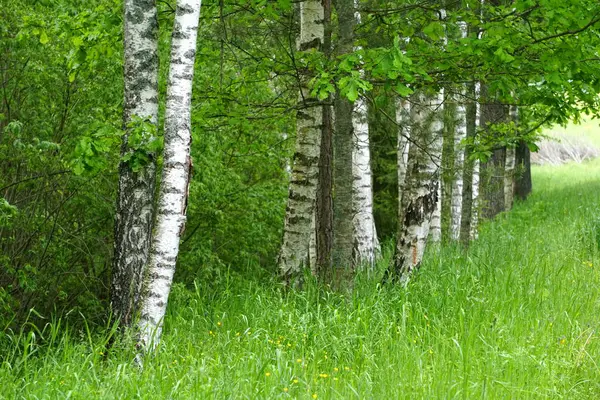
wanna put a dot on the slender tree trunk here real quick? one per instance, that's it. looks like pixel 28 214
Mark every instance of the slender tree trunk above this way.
pixel 324 212
pixel 460 134
pixel 343 141
pixel 176 174
pixel 492 171
pixel 457 184
pixel 468 192
pixel 324 206
pixel 436 154
pixel 509 170
pixel 135 198
pixel 420 195
pixel 476 200
pixel 523 171
pixel 366 244
pixel 293 255
pixel 509 178
pixel 403 119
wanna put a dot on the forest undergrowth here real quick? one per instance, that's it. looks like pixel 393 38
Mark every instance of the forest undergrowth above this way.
pixel 515 317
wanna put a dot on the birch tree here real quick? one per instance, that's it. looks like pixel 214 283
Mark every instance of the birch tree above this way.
pixel 305 165
pixel 403 120
pixel 135 198
pixel 460 134
pixel 436 152
pixel 365 234
pixel 420 190
pixel 176 173
pixel 509 169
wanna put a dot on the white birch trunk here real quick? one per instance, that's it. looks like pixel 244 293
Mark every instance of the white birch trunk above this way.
pixel 435 158
pixel 177 165
pixel 509 166
pixel 475 208
pixel 419 191
pixel 364 224
pixel 366 242
pixel 403 119
pixel 135 198
pixel 294 253
pixel 457 184
pixel 460 134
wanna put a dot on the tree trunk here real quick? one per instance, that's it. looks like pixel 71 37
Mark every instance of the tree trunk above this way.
pixel 324 213
pixel 135 198
pixel 492 170
pixel 403 118
pixel 366 244
pixel 474 233
pixel 321 265
pixel 460 134
pixel 509 170
pixel 420 195
pixel 343 141
pixel 523 171
pixel 469 166
pixel 509 178
pixel 176 174
pixel 305 170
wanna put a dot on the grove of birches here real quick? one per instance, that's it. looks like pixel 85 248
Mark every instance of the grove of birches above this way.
pixel 341 181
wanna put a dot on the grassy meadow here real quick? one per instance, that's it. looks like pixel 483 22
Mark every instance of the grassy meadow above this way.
pixel 516 317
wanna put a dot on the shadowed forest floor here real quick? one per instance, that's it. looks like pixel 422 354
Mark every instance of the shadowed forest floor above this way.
pixel 516 317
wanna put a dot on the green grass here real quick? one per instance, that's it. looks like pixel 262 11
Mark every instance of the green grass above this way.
pixel 516 317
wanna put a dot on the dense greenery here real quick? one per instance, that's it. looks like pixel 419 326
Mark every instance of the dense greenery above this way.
pixel 514 316
pixel 517 317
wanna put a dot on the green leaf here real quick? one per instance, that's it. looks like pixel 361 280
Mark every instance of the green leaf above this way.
pixel 403 90
pixel 44 38
pixel 503 55
pixel 435 30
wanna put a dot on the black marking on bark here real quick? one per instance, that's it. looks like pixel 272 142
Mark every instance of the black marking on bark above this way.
pixel 312 44
pixel 303 159
pixel 184 9
pixel 298 218
pixel 190 54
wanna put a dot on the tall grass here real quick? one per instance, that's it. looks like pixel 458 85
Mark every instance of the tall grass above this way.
pixel 515 317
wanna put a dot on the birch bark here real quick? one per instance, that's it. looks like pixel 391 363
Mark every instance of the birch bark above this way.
pixel 293 255
pixel 176 174
pixel 135 198
pixel 436 153
pixel 403 119
pixel 420 190
pixel 366 245
pixel 509 168
pixel 364 224
pixel 460 134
